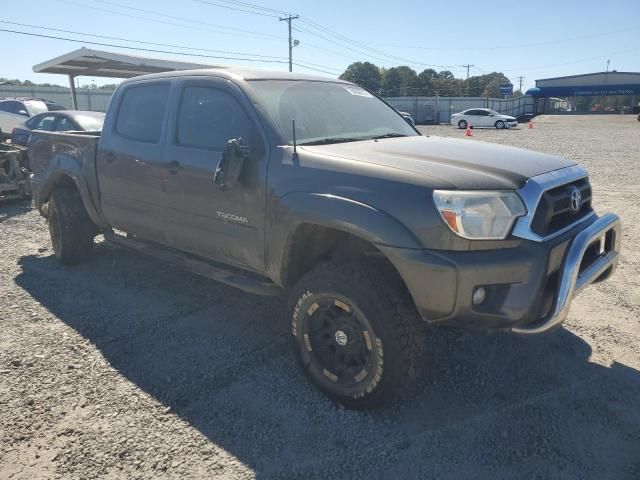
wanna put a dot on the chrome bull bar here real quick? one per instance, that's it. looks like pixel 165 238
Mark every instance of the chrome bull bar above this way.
pixel 572 280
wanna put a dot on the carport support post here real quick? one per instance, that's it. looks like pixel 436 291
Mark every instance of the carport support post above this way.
pixel 74 97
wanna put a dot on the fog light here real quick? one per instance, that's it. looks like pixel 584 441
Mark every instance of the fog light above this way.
pixel 479 296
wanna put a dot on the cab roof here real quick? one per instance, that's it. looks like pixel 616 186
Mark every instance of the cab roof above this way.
pixel 238 73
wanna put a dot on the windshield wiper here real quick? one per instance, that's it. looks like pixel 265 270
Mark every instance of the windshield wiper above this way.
pixel 388 135
pixel 330 140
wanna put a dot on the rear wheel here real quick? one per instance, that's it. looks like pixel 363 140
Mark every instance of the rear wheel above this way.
pixel 500 125
pixel 70 227
pixel 356 333
pixel 462 124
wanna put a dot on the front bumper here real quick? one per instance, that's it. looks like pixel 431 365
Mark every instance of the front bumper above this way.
pixel 529 287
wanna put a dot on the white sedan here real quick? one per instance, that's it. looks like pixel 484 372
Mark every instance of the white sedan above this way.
pixel 482 117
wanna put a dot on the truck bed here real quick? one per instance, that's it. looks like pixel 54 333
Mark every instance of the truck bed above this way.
pixel 52 154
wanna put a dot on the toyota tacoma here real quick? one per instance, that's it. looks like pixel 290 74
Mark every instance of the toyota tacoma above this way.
pixel 274 182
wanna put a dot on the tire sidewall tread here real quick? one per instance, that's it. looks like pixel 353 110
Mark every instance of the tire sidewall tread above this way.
pixel 377 292
pixel 68 219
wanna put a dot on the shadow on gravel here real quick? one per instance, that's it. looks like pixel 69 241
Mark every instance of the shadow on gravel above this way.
pixel 13 208
pixel 491 406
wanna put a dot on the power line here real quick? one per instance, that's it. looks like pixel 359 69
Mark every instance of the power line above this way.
pixel 257 7
pixel 270 59
pixel 53 37
pixel 522 45
pixel 340 40
pixel 251 8
pixel 248 33
pixel 264 14
pixel 367 54
pixel 116 4
pixel 139 41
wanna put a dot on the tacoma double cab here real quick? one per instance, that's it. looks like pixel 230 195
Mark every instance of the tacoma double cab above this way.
pixel 275 182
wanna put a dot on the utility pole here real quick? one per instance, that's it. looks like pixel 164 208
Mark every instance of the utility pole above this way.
pixel 468 66
pixel 520 78
pixel 288 20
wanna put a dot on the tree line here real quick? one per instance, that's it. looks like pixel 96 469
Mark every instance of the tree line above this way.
pixel 405 81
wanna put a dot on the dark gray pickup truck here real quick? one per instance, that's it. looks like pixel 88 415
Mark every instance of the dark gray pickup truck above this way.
pixel 270 181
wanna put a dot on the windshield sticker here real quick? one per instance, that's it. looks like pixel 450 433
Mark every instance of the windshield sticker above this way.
pixel 361 92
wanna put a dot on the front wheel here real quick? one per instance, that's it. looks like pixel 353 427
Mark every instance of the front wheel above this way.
pixel 70 227
pixel 356 333
pixel 500 125
pixel 462 124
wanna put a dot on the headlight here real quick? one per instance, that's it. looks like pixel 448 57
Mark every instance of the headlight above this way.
pixel 479 215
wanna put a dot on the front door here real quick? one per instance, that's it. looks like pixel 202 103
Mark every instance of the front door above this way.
pixel 201 217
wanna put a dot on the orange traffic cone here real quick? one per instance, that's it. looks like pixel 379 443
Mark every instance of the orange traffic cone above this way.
pixel 530 124
pixel 468 134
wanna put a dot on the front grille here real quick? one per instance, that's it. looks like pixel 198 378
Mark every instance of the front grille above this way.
pixel 554 212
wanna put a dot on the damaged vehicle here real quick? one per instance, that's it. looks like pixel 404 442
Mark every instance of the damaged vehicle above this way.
pixel 281 183
pixel 14 173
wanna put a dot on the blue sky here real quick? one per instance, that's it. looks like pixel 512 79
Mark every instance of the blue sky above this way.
pixel 536 39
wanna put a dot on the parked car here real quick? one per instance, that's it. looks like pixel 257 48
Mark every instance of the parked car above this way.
pixel 58 121
pixel 407 116
pixel 14 111
pixel 483 117
pixel 273 182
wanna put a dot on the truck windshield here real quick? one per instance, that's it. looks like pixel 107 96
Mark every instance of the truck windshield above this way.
pixel 327 112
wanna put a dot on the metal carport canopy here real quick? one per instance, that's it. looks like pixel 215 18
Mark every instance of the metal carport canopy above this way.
pixel 98 63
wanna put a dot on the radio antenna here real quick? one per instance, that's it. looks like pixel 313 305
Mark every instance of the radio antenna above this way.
pixel 293 124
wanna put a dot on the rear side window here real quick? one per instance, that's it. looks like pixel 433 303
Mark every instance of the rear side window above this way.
pixel 209 117
pixel 65 125
pixel 142 111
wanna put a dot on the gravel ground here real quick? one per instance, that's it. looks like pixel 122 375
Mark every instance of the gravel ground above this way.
pixel 125 368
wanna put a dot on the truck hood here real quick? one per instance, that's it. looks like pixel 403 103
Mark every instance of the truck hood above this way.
pixel 462 164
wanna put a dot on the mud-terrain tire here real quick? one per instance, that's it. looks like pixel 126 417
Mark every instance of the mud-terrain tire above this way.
pixel 70 227
pixel 367 307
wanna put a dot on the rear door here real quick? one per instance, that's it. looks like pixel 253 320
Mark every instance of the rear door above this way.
pixel 203 218
pixel 131 170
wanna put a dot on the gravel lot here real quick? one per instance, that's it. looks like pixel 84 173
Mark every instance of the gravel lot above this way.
pixel 125 368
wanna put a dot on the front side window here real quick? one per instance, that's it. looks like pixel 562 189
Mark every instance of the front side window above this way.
pixel 327 112
pixel 45 122
pixel 142 112
pixel 209 117
pixel 16 107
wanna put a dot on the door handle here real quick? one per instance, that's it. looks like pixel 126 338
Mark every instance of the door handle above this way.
pixel 174 167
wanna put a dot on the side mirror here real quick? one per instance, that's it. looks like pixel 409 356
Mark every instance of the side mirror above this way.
pixel 24 113
pixel 230 164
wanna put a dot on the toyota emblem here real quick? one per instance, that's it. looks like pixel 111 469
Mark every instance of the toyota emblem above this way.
pixel 576 200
